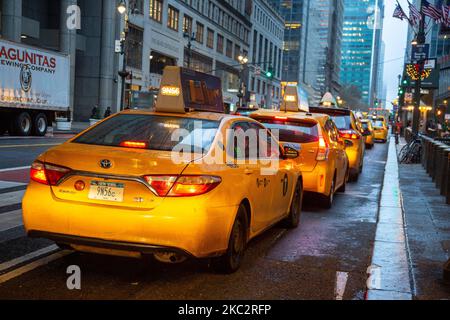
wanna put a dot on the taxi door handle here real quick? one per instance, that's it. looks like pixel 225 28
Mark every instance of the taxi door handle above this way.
pixel 248 172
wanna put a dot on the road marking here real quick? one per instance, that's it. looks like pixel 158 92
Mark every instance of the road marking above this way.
pixel 341 284
pixel 29 145
pixel 10 220
pixel 33 265
pixel 14 169
pixel 7 199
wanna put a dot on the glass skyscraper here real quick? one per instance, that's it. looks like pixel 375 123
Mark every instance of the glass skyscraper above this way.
pixel 361 47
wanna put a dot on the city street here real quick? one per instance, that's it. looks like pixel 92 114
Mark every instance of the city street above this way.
pixel 325 258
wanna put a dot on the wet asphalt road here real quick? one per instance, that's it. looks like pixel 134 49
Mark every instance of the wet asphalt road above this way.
pixel 280 264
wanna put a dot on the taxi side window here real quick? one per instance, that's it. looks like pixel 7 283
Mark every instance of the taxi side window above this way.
pixel 241 149
pixel 330 131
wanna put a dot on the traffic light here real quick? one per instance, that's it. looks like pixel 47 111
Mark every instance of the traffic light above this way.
pixel 269 73
pixel 401 91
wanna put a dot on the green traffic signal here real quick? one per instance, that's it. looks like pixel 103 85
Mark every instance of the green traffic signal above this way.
pixel 269 74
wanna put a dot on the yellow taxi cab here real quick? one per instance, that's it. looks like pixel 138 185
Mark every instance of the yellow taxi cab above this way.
pixel 351 131
pixel 323 163
pixel 380 127
pixel 368 132
pixel 170 183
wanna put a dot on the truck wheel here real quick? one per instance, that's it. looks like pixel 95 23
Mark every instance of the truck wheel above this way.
pixel 40 125
pixel 22 124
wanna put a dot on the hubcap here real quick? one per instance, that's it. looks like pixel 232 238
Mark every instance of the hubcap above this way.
pixel 25 124
pixel 41 125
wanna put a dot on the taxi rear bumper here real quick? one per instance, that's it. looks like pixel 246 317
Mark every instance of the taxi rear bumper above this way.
pixel 318 180
pixel 186 225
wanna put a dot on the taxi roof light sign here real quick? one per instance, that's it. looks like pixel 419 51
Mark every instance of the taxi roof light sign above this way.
pixel 183 90
pixel 291 100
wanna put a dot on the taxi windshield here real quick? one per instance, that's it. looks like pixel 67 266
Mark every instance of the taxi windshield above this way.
pixel 295 132
pixel 162 133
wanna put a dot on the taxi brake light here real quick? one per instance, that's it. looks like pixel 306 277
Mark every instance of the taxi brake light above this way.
pixel 184 186
pixel 47 173
pixel 349 134
pixel 323 151
pixel 134 144
pixel 281 118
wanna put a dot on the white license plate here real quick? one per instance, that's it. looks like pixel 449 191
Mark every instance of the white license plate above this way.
pixel 106 191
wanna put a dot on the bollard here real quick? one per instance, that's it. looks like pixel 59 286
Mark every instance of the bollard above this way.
pixel 447 272
pixel 445 172
pixel 448 181
pixel 424 151
pixel 435 160
pixel 440 164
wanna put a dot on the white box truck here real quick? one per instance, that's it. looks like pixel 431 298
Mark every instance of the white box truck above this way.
pixel 34 85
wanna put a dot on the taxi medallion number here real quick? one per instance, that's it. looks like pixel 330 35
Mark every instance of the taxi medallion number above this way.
pixel 106 191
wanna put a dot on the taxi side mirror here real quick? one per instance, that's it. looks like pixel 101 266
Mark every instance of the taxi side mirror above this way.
pixel 290 153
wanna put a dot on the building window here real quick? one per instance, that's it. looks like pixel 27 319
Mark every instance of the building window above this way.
pixel 159 61
pixel 199 36
pixel 134 47
pixel 229 49
pixel 198 62
pixel 187 25
pixel 173 18
pixel 137 5
pixel 210 39
pixel 220 43
pixel 156 10
pixel 237 52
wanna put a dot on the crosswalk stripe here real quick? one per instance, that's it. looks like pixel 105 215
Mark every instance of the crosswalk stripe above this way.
pixel 33 265
pixel 8 184
pixel 10 220
pixel 14 169
pixel 11 198
pixel 15 262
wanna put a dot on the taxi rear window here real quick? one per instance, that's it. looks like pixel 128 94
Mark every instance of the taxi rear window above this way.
pixel 365 125
pixel 159 132
pixel 342 122
pixel 294 132
pixel 378 123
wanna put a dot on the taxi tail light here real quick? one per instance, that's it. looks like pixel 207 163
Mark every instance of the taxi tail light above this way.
pixel 322 153
pixel 183 186
pixel 134 144
pixel 47 173
pixel 349 134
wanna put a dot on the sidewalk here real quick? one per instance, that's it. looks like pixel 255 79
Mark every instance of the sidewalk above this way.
pixel 427 220
pixel 77 127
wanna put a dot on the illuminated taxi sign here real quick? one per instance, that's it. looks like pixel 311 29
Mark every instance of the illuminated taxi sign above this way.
pixel 170 91
pixel 290 98
pixel 183 90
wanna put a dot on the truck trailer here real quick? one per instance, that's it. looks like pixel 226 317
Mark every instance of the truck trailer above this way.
pixel 34 86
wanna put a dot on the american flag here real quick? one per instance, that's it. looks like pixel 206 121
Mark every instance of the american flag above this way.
pixel 446 15
pixel 431 11
pixel 414 14
pixel 399 13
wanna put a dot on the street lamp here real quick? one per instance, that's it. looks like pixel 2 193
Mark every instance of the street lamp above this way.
pixel 243 60
pixel 123 10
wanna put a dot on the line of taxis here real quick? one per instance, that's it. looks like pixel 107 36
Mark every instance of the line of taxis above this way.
pixel 188 180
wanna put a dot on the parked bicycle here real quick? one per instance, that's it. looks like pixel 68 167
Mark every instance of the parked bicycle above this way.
pixel 412 152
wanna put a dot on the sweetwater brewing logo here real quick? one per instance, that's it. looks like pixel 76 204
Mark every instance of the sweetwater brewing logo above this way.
pixel 26 78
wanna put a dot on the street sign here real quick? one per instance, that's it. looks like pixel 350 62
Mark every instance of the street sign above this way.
pixel 420 52
pixel 118 47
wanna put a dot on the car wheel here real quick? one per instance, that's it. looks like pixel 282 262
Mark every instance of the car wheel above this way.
pixel 328 200
pixel 354 176
pixel 344 186
pixel 293 220
pixel 22 124
pixel 232 259
pixel 40 125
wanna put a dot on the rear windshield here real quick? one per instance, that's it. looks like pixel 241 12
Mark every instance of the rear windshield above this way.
pixel 378 123
pixel 156 131
pixel 365 125
pixel 342 122
pixel 294 132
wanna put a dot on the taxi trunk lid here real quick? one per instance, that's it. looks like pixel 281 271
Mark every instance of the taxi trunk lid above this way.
pixel 119 182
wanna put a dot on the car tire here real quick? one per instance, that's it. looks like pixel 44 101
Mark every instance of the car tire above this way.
pixel 295 211
pixel 328 200
pixel 354 176
pixel 22 124
pixel 231 261
pixel 344 186
pixel 40 125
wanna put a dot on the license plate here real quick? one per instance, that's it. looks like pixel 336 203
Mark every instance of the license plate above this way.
pixel 106 191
